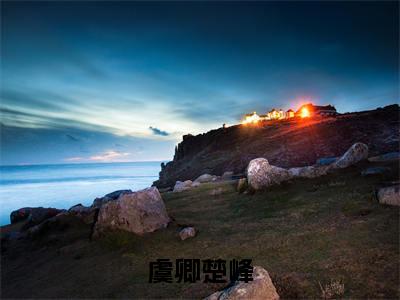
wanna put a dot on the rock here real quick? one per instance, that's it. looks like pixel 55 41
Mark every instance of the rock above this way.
pixel 87 214
pixel 80 209
pixel 242 185
pixel 20 214
pixel 206 178
pixel 33 215
pixel 309 171
pixel 38 215
pixel 260 288
pixel 261 175
pixel 389 195
pixel 187 232
pixel 228 175
pixel 374 171
pixel 115 195
pixel 195 184
pixel 164 190
pixel 385 157
pixel 182 186
pixel 59 223
pixel 356 153
pixel 98 202
pixel 324 161
pixel 138 212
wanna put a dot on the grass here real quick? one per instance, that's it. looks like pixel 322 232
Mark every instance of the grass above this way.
pixel 321 238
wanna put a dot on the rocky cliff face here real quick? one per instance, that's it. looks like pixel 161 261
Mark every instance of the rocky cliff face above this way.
pixel 291 143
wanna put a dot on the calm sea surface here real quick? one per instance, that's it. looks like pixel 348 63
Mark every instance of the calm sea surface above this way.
pixel 62 186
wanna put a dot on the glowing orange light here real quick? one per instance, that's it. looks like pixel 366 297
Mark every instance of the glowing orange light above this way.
pixel 304 112
pixel 251 119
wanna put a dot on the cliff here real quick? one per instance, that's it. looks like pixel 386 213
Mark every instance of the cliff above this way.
pixel 289 143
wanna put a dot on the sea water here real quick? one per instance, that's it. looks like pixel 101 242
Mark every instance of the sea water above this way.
pixel 64 185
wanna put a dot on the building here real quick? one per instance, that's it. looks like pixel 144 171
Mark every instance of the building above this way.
pixel 281 114
pixel 273 114
pixel 290 114
pixel 251 118
pixel 310 110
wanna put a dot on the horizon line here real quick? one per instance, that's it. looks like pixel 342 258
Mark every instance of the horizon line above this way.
pixel 82 163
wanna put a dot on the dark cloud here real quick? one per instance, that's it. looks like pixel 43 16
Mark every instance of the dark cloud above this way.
pixel 34 99
pixel 15 117
pixel 157 131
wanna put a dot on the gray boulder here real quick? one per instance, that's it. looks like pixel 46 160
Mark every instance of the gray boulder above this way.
pixel 389 195
pixel 261 175
pixel 309 171
pixel 138 212
pixel 356 153
pixel 260 288
pixel 206 178
pixel 187 232
pixel 182 186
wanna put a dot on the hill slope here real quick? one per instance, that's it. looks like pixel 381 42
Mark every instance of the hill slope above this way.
pixel 292 143
pixel 306 233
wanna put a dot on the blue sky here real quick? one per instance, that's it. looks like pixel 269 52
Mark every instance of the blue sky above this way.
pixel 123 81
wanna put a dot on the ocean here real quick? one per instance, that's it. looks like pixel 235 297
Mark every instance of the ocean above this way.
pixel 64 185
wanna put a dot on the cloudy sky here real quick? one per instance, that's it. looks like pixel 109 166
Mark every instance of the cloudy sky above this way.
pixel 101 82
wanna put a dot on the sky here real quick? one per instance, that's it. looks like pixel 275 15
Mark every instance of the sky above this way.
pixel 123 81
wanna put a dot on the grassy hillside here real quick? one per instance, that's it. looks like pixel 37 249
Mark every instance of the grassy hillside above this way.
pixel 307 233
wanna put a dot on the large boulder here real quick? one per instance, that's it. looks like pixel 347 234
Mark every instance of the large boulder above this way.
pixel 206 178
pixel 138 212
pixel 260 288
pixel 261 175
pixel 309 171
pixel 356 153
pixel 182 186
pixel 389 195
